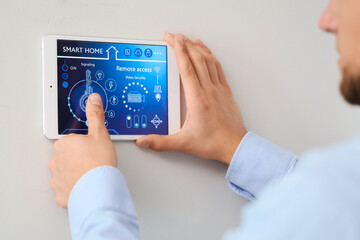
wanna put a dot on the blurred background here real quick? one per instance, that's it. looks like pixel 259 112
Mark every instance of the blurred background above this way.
pixel 281 67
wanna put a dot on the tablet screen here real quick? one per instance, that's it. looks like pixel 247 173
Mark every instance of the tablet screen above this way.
pixel 130 78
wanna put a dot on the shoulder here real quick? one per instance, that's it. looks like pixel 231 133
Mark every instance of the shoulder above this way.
pixel 340 156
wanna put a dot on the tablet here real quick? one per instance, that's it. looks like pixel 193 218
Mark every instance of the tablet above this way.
pixel 138 82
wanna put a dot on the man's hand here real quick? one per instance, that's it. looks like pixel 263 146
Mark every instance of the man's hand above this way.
pixel 213 127
pixel 77 154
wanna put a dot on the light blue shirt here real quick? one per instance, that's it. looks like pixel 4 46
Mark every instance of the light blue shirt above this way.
pixel 317 198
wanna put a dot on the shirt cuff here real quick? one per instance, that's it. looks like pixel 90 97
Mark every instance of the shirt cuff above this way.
pixel 255 163
pixel 101 189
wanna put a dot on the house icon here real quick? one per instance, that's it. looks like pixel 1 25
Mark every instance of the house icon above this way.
pixel 112 51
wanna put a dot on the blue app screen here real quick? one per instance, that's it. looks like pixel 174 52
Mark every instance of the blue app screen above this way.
pixel 130 78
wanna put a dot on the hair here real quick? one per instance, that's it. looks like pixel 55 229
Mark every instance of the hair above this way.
pixel 350 87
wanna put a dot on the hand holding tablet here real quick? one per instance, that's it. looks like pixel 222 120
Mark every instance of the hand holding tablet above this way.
pixel 213 127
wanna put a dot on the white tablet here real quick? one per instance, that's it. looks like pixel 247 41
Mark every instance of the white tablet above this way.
pixel 137 80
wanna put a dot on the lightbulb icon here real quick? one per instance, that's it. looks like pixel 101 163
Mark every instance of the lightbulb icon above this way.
pixel 99 75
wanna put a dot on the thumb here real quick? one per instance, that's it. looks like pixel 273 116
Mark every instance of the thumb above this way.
pixel 161 143
pixel 95 116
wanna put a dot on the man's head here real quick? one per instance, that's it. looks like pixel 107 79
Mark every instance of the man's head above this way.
pixel 342 17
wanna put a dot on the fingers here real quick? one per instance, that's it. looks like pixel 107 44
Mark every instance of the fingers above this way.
pixel 203 46
pixel 187 72
pixel 59 192
pixel 211 66
pixel 54 184
pixel 220 73
pixel 51 165
pixel 96 117
pixel 199 62
pixel 202 59
pixel 197 59
pixel 170 39
pixel 161 143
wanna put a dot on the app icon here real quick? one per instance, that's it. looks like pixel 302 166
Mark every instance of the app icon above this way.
pixel 111 114
pixel 136 121
pixel 148 52
pixel 157 69
pixel 110 85
pixel 114 100
pixel 88 91
pixel 65 84
pixel 65 76
pixel 138 52
pixel 135 97
pixel 156 121
pixel 157 91
pixel 65 67
pixel 127 51
pixel 128 121
pixel 143 121
pixel 99 75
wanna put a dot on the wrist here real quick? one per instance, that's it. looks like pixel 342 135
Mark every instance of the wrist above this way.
pixel 231 146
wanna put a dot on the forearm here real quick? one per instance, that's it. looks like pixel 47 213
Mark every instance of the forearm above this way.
pixel 100 207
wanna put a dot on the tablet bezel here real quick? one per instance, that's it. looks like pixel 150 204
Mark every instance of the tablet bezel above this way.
pixel 50 93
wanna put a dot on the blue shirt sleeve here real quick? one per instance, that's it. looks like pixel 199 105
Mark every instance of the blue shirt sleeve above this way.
pixel 100 207
pixel 255 163
pixel 318 200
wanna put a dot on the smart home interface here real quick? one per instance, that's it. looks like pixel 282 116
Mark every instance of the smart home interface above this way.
pixel 130 78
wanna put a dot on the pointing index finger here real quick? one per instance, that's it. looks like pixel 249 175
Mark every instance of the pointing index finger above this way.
pixel 95 116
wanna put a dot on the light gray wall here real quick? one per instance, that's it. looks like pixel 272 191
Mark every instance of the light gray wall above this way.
pixel 282 70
